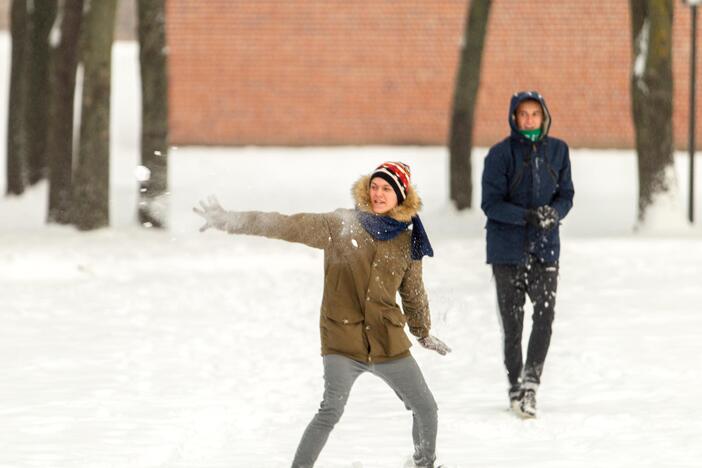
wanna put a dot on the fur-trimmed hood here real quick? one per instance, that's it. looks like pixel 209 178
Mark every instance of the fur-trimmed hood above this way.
pixel 402 212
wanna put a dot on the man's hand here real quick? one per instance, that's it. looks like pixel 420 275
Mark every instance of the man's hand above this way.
pixel 544 217
pixel 532 217
pixel 548 217
pixel 435 344
pixel 215 216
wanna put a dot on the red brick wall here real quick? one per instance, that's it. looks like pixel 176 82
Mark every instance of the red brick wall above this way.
pixel 316 72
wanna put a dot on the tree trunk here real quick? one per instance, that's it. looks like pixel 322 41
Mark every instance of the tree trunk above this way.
pixel 41 19
pixel 90 207
pixel 17 172
pixel 63 67
pixel 467 81
pixel 153 193
pixel 652 98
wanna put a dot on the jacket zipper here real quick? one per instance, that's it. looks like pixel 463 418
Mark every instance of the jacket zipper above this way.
pixel 530 196
pixel 532 162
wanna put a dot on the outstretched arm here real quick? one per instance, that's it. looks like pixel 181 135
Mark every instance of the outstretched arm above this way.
pixel 311 229
pixel 215 216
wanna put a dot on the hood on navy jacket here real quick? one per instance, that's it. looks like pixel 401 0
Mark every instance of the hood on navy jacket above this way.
pixel 519 98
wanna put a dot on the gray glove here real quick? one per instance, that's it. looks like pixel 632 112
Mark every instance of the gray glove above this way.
pixel 434 344
pixel 215 216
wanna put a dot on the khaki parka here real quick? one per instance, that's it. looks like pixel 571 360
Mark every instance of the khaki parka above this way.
pixel 359 317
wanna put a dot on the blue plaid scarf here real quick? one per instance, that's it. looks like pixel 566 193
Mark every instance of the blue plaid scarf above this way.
pixel 386 228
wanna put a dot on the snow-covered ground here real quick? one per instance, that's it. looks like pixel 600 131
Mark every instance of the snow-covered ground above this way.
pixel 133 348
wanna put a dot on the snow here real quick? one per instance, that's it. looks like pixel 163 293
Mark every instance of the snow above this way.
pixel 142 173
pixel 78 106
pixel 130 347
pixel 666 212
pixel 642 44
pixel 55 33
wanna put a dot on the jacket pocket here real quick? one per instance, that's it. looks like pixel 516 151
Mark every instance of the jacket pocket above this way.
pixel 507 236
pixel 342 315
pixel 397 341
pixel 343 333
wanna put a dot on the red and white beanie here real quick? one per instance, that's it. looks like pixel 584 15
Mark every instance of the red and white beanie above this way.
pixel 396 174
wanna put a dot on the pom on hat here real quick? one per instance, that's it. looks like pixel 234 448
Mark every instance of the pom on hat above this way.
pixel 396 174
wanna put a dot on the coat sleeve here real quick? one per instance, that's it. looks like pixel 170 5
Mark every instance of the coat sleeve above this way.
pixel 415 303
pixel 311 229
pixel 495 191
pixel 563 201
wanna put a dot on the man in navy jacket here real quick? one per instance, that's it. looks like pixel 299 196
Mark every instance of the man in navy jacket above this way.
pixel 527 190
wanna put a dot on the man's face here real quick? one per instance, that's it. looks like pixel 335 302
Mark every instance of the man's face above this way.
pixel 529 115
pixel 383 197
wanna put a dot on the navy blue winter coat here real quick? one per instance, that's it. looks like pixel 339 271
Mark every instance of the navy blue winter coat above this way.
pixel 521 175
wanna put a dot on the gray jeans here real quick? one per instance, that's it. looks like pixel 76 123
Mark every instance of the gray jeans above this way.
pixel 403 376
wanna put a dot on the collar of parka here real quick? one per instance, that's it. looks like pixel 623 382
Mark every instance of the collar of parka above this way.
pixel 402 212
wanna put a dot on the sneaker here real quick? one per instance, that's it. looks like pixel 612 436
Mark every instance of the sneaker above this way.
pixel 527 407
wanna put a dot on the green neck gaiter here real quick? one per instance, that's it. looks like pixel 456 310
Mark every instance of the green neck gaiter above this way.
pixel 532 135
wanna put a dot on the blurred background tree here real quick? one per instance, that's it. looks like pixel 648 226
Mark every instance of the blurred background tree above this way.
pixel 91 183
pixel 63 66
pixel 652 98
pixel 61 61
pixel 464 96
pixel 153 205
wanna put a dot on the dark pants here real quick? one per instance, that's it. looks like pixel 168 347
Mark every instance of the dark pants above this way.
pixel 513 284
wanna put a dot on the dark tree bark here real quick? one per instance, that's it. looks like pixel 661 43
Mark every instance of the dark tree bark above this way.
pixel 41 20
pixel 467 81
pixel 63 67
pixel 652 97
pixel 17 166
pixel 90 207
pixel 154 113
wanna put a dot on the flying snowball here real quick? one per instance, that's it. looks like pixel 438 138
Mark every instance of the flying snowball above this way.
pixel 142 173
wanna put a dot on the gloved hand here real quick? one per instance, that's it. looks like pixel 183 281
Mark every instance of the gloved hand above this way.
pixel 532 217
pixel 544 217
pixel 548 217
pixel 435 344
pixel 215 216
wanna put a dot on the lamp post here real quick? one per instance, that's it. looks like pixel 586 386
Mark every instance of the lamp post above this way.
pixel 693 106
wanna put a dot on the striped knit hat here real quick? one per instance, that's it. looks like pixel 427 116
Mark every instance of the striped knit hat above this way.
pixel 396 174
